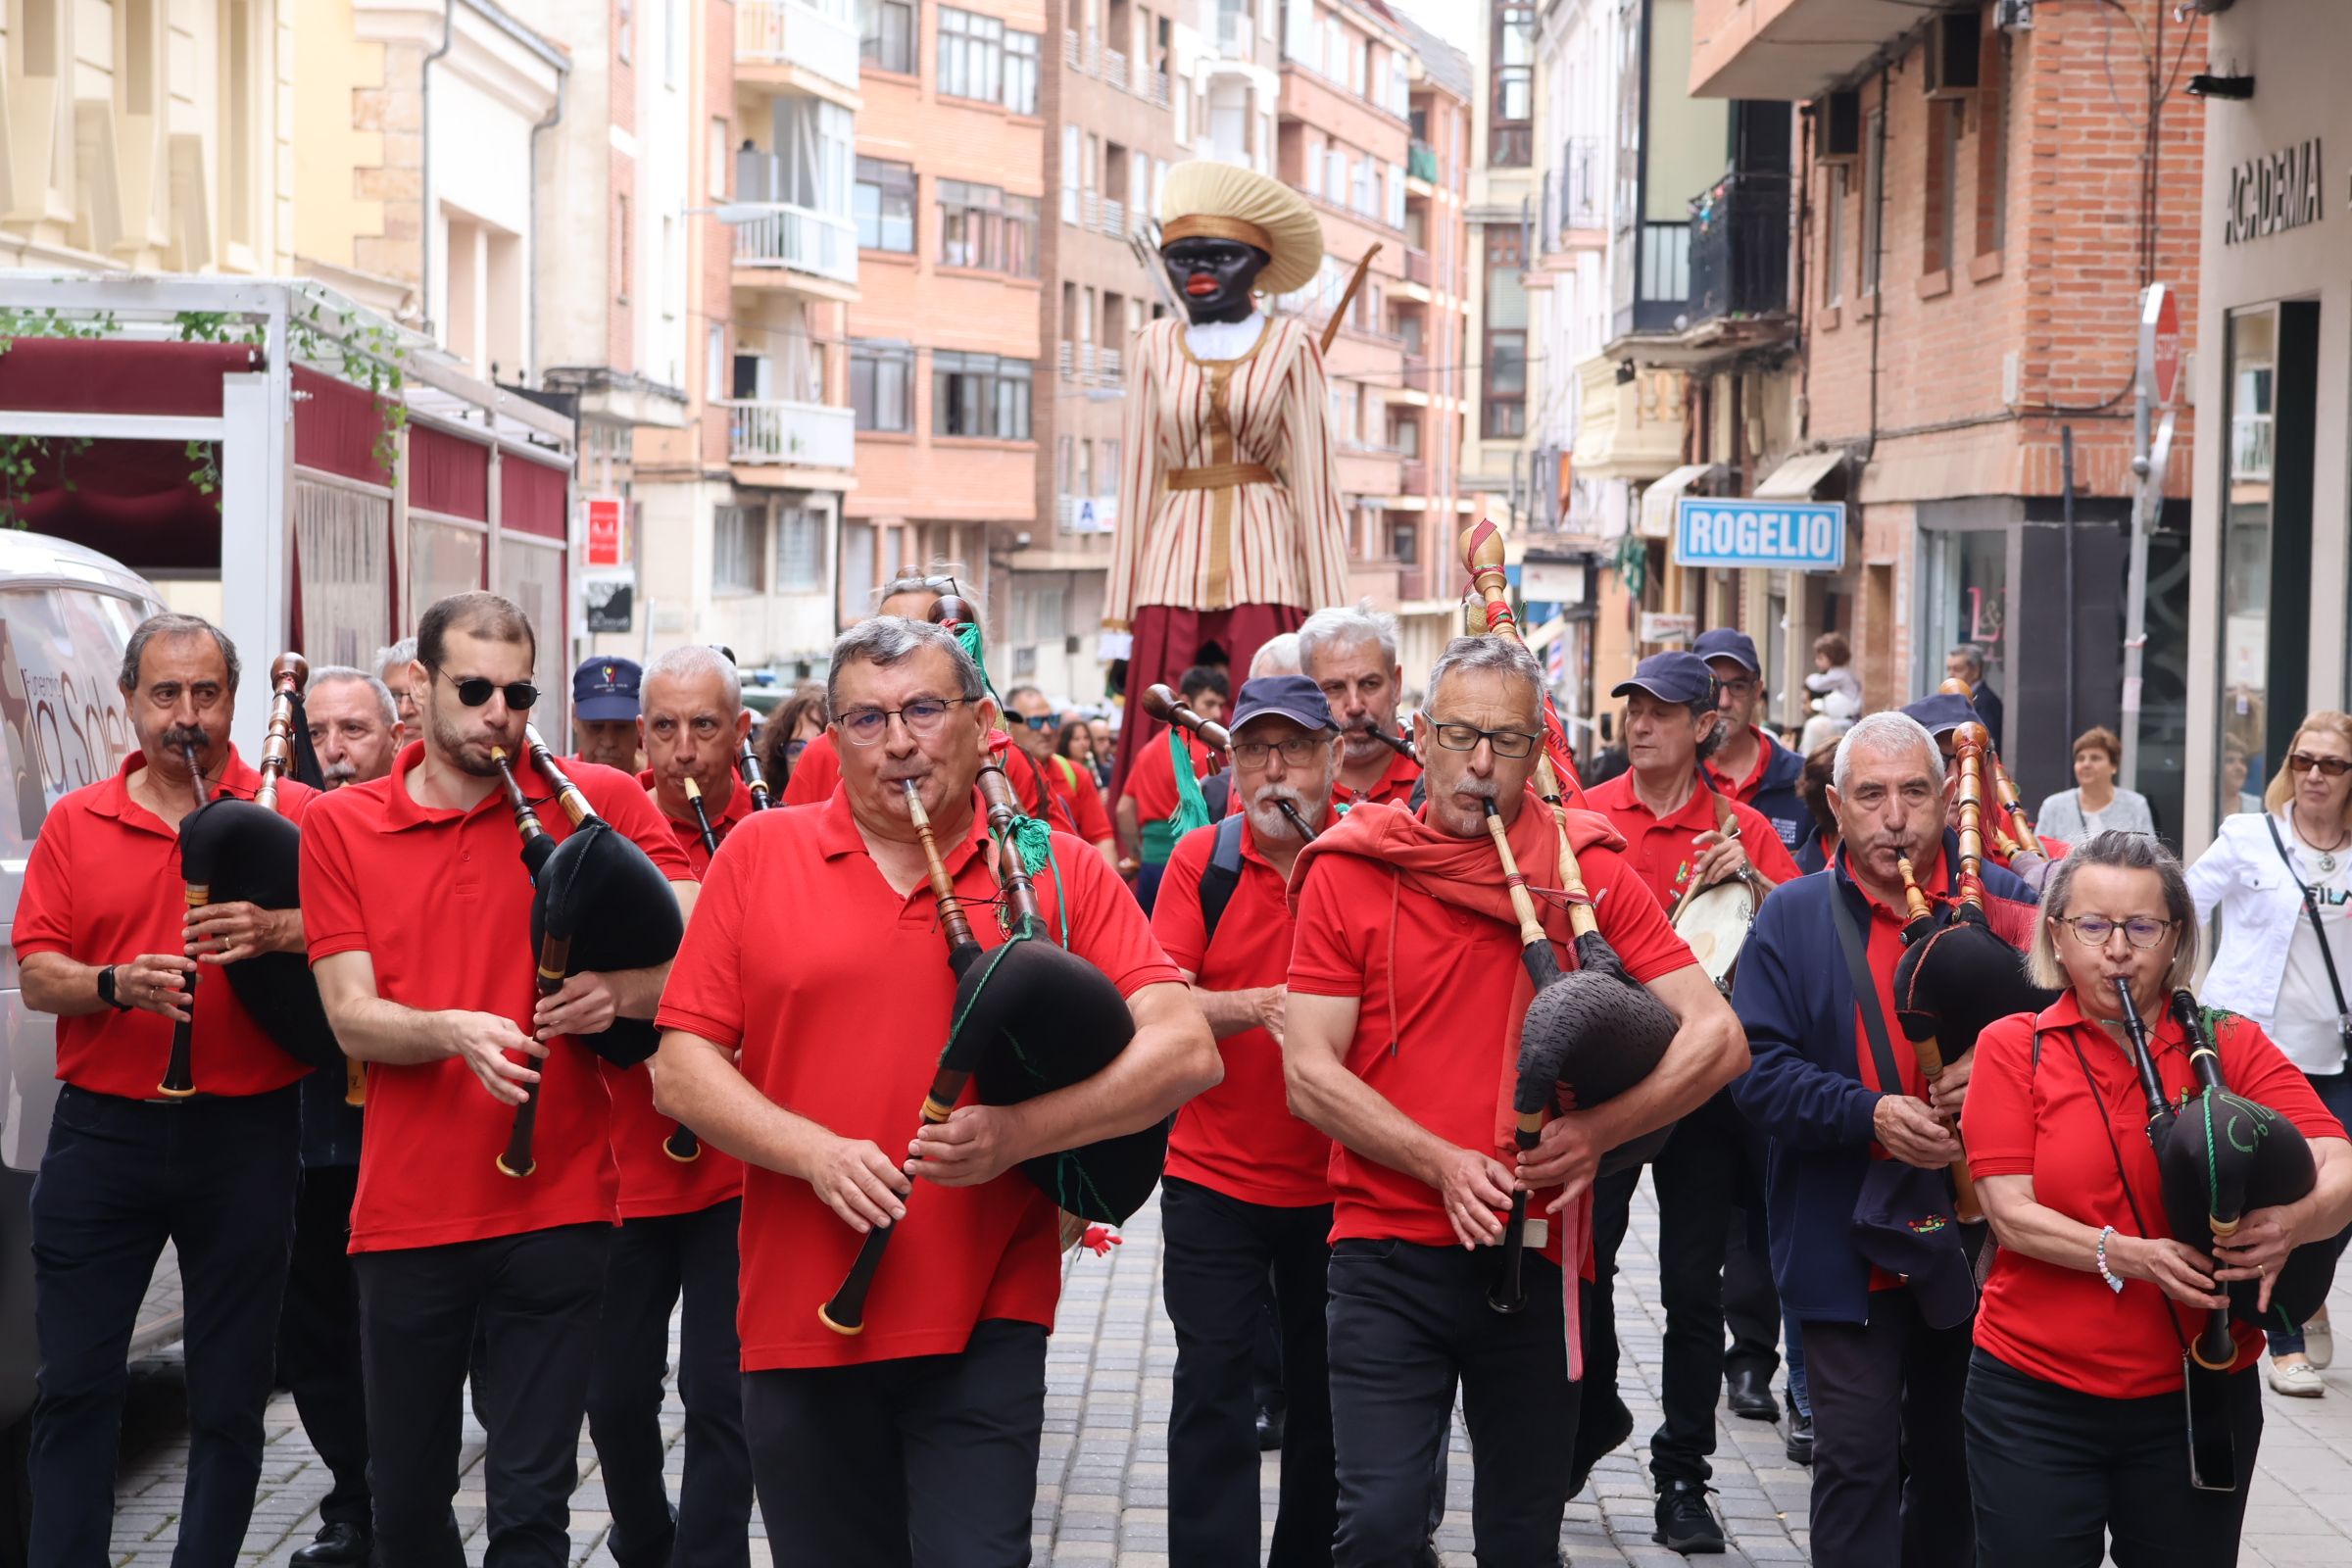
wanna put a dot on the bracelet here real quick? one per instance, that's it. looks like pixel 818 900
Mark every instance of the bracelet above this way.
pixel 2113 1284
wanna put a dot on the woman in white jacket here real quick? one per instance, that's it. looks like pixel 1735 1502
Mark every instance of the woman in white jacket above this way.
pixel 2282 881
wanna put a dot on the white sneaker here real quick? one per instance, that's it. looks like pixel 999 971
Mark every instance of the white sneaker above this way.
pixel 2297 1380
pixel 2318 1342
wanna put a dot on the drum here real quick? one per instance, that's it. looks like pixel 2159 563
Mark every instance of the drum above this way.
pixel 1715 923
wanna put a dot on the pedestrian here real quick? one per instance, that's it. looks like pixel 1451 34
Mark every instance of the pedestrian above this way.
pixel 2281 882
pixel 1351 655
pixel 1074 743
pixel 1152 808
pixel 605 708
pixel 818 769
pixel 1057 791
pixel 354 724
pixel 391 666
pixel 2234 795
pixel 1402 1024
pixel 916 1439
pixel 418 908
pixel 1682 834
pixel 798 723
pixel 106 941
pixel 1814 789
pixel 1247 1192
pixel 1743 761
pixel 678 1216
pixel 1943 715
pixel 1966 661
pixel 2078 1430
pixel 1885 1364
pixel 2096 803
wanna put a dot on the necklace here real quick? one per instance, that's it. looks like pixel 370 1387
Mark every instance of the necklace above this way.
pixel 2326 855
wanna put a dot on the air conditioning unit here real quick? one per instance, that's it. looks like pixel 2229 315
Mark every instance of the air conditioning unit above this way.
pixel 1954 52
pixel 1841 128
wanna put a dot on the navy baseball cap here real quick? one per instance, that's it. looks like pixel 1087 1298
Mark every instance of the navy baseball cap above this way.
pixel 1943 712
pixel 1729 641
pixel 1674 678
pixel 605 689
pixel 1903 1223
pixel 1293 697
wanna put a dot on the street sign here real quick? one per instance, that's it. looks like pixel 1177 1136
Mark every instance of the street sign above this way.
pixel 1664 626
pixel 612 604
pixel 1776 535
pixel 2160 343
pixel 604 531
pixel 1552 582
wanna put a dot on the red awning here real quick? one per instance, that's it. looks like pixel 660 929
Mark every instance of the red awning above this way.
pixel 448 473
pixel 531 497
pixel 100 375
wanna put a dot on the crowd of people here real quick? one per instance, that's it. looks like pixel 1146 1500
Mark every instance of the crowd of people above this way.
pixel 1328 914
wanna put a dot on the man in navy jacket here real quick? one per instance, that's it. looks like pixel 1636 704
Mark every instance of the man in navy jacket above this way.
pixel 1889 1483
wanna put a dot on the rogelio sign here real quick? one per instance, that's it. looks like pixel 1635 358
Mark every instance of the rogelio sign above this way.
pixel 1780 535
pixel 2273 193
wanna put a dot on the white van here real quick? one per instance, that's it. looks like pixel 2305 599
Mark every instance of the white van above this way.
pixel 66 614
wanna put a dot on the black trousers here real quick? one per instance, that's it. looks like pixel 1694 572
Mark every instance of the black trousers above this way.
pixel 120 1178
pixel 1219 1251
pixel 2056 1471
pixel 318 1339
pixel 930 1459
pixel 1408 1323
pixel 1752 1307
pixel 1891 1482
pixel 535 1295
pixel 1699 1177
pixel 652 1263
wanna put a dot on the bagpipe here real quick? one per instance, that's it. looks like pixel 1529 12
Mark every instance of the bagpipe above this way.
pixel 2012 834
pixel 1592 1030
pixel 1030 1017
pixel 598 904
pixel 1956 975
pixel 232 851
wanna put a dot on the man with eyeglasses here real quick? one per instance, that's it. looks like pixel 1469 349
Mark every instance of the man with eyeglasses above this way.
pixel 417 908
pixel 1839 1088
pixel 1052 788
pixel 678 1218
pixel 1247 1192
pixel 802 1031
pixel 1668 811
pixel 1400 1034
pixel 1748 765
pixel 604 710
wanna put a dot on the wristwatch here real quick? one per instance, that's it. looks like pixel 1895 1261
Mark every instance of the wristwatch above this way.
pixel 106 990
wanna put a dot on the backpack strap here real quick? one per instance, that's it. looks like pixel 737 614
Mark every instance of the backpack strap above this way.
pixel 1222 876
pixel 1216 791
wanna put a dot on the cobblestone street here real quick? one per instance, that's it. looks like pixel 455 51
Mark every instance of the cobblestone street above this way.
pixel 1102 1478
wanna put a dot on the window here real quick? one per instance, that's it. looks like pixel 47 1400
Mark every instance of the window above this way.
pixel 1069 172
pixel 979 395
pixel 1943 181
pixel 1020 72
pixel 1833 236
pixel 982 228
pixel 714 363
pixel 1404 431
pixel 1395 213
pixel 672 27
pixel 1300 38
pixel 1992 148
pixel 620 242
pixel 971 55
pixel 736 550
pixel 885 200
pixel 1511 135
pixel 624 31
pixel 799 550
pixel 717 160
pixel 882 384
pixel 1874 152
pixel 1315 170
pixel 886 34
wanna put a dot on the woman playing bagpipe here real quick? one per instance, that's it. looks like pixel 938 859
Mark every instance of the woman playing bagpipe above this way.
pixel 894 1390
pixel 2154 1172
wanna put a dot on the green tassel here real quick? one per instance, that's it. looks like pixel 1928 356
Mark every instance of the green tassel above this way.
pixel 1033 840
pixel 1191 806
pixel 967 634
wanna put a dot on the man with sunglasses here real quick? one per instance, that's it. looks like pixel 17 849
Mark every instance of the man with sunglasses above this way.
pixel 1400 1030
pixel 417 908
pixel 802 1030
pixel 1055 789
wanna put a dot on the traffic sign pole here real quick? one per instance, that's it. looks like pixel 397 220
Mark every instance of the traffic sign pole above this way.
pixel 2158 377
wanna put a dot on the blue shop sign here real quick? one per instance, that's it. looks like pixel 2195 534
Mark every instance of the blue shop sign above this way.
pixel 1775 535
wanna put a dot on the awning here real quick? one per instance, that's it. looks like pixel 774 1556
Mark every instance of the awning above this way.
pixel 1657 502
pixel 1799 477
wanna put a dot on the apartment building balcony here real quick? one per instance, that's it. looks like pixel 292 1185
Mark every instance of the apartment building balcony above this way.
pixel 1576 198
pixel 803 45
pixel 1416 266
pixel 1418 380
pixel 1085 365
pixel 1789 50
pixel 1421 161
pixel 810 445
pixel 1086 55
pixel 781 245
pixel 1415 481
pixel 1740 249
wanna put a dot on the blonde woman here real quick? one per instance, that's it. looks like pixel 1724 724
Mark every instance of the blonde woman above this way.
pixel 2095 804
pixel 2282 881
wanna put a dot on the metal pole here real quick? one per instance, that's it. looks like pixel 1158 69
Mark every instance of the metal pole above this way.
pixel 2135 577
pixel 2066 499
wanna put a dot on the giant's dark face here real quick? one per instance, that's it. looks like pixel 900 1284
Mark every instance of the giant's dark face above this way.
pixel 1214 276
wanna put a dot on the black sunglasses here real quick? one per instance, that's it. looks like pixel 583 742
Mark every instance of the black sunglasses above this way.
pixel 1036 720
pixel 474 690
pixel 2304 762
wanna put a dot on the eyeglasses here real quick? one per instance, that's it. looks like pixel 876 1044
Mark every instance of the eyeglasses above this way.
pixel 2094 930
pixel 922 717
pixel 474 690
pixel 2332 766
pixel 1036 721
pixel 1297 751
pixel 1512 743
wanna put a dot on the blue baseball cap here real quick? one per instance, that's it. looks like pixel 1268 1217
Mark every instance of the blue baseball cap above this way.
pixel 605 689
pixel 1729 641
pixel 1672 677
pixel 1943 713
pixel 1293 697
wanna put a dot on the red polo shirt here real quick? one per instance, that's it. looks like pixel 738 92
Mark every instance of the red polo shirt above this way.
pixel 839 998
pixel 439 900
pixel 1072 806
pixel 815 775
pixel 690 832
pixel 1240 1138
pixel 1660 846
pixel 2044 1120
pixel 103 886
pixel 1392 788
pixel 1744 789
pixel 1151 776
pixel 1450 974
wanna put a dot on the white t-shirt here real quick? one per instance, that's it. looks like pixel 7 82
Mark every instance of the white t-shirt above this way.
pixel 2305 1025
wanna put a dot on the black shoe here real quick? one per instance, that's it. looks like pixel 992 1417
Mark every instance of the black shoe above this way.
pixel 1752 1394
pixel 1799 1443
pixel 1686 1523
pixel 335 1544
pixel 1595 1441
pixel 1269 1430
